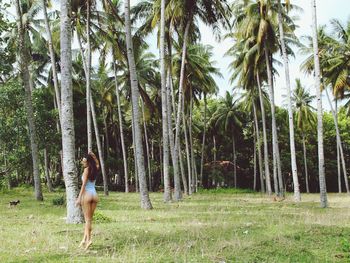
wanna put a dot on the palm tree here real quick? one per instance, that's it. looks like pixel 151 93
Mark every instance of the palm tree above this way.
pixel 305 118
pixel 23 62
pixel 289 101
pixel 145 201
pixel 322 179
pixel 227 116
pixel 74 214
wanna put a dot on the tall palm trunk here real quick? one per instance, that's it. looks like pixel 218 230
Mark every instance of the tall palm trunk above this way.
pixel 47 174
pixel 305 165
pixel 290 110
pixel 87 73
pixel 135 156
pixel 203 139
pixel 187 154
pixel 193 172
pixel 321 172
pixel 52 58
pixel 147 146
pixel 135 95
pixel 339 143
pixel 254 159
pixel 273 119
pixel 181 103
pixel 99 147
pixel 183 176
pixel 262 184
pixel 74 214
pixel 125 162
pixel 266 152
pixel 23 62
pixel 174 154
pixel 165 130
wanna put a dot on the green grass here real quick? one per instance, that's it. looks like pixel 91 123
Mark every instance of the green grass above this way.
pixel 210 226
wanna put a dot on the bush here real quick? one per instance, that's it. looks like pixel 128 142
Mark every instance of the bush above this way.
pixel 58 201
pixel 101 218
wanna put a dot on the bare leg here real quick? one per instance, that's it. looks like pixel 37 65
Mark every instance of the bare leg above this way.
pixel 82 243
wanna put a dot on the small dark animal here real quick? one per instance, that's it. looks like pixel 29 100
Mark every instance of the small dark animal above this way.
pixel 14 203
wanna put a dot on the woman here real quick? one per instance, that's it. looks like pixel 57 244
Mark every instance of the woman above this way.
pixel 88 197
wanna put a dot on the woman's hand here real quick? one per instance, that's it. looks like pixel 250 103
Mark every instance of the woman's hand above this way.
pixel 78 202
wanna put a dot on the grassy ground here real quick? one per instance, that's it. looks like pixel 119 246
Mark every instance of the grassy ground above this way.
pixel 219 226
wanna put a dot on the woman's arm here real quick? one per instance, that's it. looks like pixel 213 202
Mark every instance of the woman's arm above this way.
pixel 96 160
pixel 82 189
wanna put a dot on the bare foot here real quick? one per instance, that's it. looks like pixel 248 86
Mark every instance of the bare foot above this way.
pixel 88 244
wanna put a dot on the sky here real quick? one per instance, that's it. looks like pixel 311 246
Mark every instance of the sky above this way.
pixel 326 10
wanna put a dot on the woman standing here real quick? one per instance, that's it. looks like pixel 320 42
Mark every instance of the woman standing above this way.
pixel 88 198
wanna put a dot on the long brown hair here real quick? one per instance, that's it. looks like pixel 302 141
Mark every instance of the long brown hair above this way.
pixel 92 168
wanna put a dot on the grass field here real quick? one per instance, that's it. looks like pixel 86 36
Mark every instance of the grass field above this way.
pixel 216 226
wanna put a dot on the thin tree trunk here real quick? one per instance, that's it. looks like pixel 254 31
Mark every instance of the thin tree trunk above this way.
pixel 125 162
pixel 266 152
pixel 23 62
pixel 106 134
pixel 74 213
pixel 99 147
pixel 191 146
pixel 184 180
pixel 262 184
pixel 204 131
pixel 181 103
pixel 147 146
pixel 339 142
pixel 47 174
pixel 52 58
pixel 174 154
pixel 290 110
pixel 135 95
pixel 254 159
pixel 322 178
pixel 135 157
pixel 305 165
pixel 234 161
pixel 87 74
pixel 187 155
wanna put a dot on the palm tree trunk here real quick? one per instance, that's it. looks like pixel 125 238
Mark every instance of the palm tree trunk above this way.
pixel 273 119
pixel 147 147
pixel 181 103
pixel 187 155
pixel 184 180
pixel 262 184
pixel 135 155
pixel 52 58
pixel 106 151
pixel 193 172
pixel 47 174
pixel 174 154
pixel 23 62
pixel 87 74
pixel 234 161
pixel 204 131
pixel 305 165
pixel 339 142
pixel 74 214
pixel 321 173
pixel 135 95
pixel 290 110
pixel 266 152
pixel 254 160
pixel 125 162
pixel 99 147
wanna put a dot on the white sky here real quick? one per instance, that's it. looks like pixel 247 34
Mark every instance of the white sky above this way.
pixel 326 10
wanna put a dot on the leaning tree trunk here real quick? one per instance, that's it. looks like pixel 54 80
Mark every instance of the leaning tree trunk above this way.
pixel 99 147
pixel 262 185
pixel 147 146
pixel 321 172
pixel 339 143
pixel 125 162
pixel 266 152
pixel 47 174
pixel 187 154
pixel 23 62
pixel 52 58
pixel 234 161
pixel 135 95
pixel 203 139
pixel 87 75
pixel 290 110
pixel 273 120
pixel 74 213
pixel 305 165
